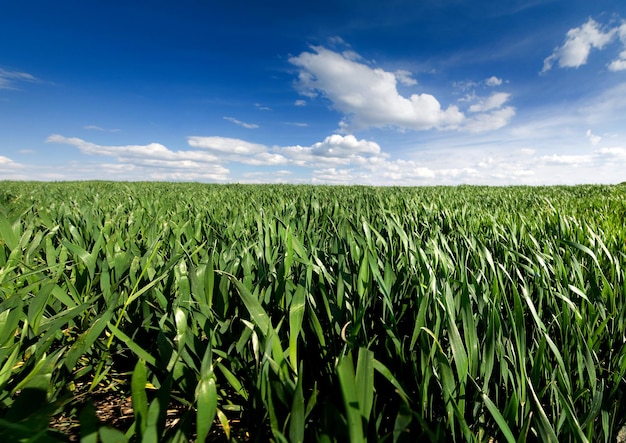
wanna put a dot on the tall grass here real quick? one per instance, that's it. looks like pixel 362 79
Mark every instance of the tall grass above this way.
pixel 292 313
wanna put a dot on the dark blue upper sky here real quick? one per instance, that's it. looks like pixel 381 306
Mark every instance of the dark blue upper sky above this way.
pixel 395 92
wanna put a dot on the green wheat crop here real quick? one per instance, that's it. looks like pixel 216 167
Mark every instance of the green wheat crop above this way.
pixel 300 313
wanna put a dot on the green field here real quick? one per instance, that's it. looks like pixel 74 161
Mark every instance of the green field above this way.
pixel 176 312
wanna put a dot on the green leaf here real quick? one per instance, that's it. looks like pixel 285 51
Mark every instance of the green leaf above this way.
pixel 86 340
pixel 385 372
pixel 365 381
pixel 88 260
pixel 456 343
pixel 8 234
pixel 253 305
pixel 206 400
pixel 233 381
pixel 546 432
pixel 402 422
pixel 139 396
pixel 133 346
pixel 151 433
pixel 89 424
pixel 110 435
pixel 296 315
pixel 296 421
pixel 37 306
pixel 500 420
pixel 345 372
pixel 7 368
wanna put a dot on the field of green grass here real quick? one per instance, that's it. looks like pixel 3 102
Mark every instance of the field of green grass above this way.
pixel 186 312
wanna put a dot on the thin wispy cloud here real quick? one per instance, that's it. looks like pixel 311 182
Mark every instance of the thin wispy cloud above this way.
pixel 99 128
pixel 242 124
pixel 10 79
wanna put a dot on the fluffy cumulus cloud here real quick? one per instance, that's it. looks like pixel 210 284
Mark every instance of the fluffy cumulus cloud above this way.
pixel 580 41
pixel 334 150
pixel 348 146
pixel 369 96
pixel 493 81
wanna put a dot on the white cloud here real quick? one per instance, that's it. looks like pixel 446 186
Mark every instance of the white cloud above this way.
pixel 465 85
pixel 490 121
pixel 154 160
pixel 337 41
pixel 6 161
pixel 99 128
pixel 9 78
pixel 368 96
pixel 334 150
pixel 614 153
pixel 578 44
pixel 488 113
pixel 226 145
pixel 619 64
pixel 240 123
pixel 494 101
pixel 593 139
pixel 333 176
pixel 572 160
pixel 405 77
pixel 339 146
pixel 490 159
pixel 262 159
pixel 300 103
pixel 493 81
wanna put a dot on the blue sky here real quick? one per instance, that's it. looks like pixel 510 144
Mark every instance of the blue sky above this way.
pixel 339 92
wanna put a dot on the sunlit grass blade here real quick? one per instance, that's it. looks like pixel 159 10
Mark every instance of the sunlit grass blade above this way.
pixel 347 382
pixel 252 304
